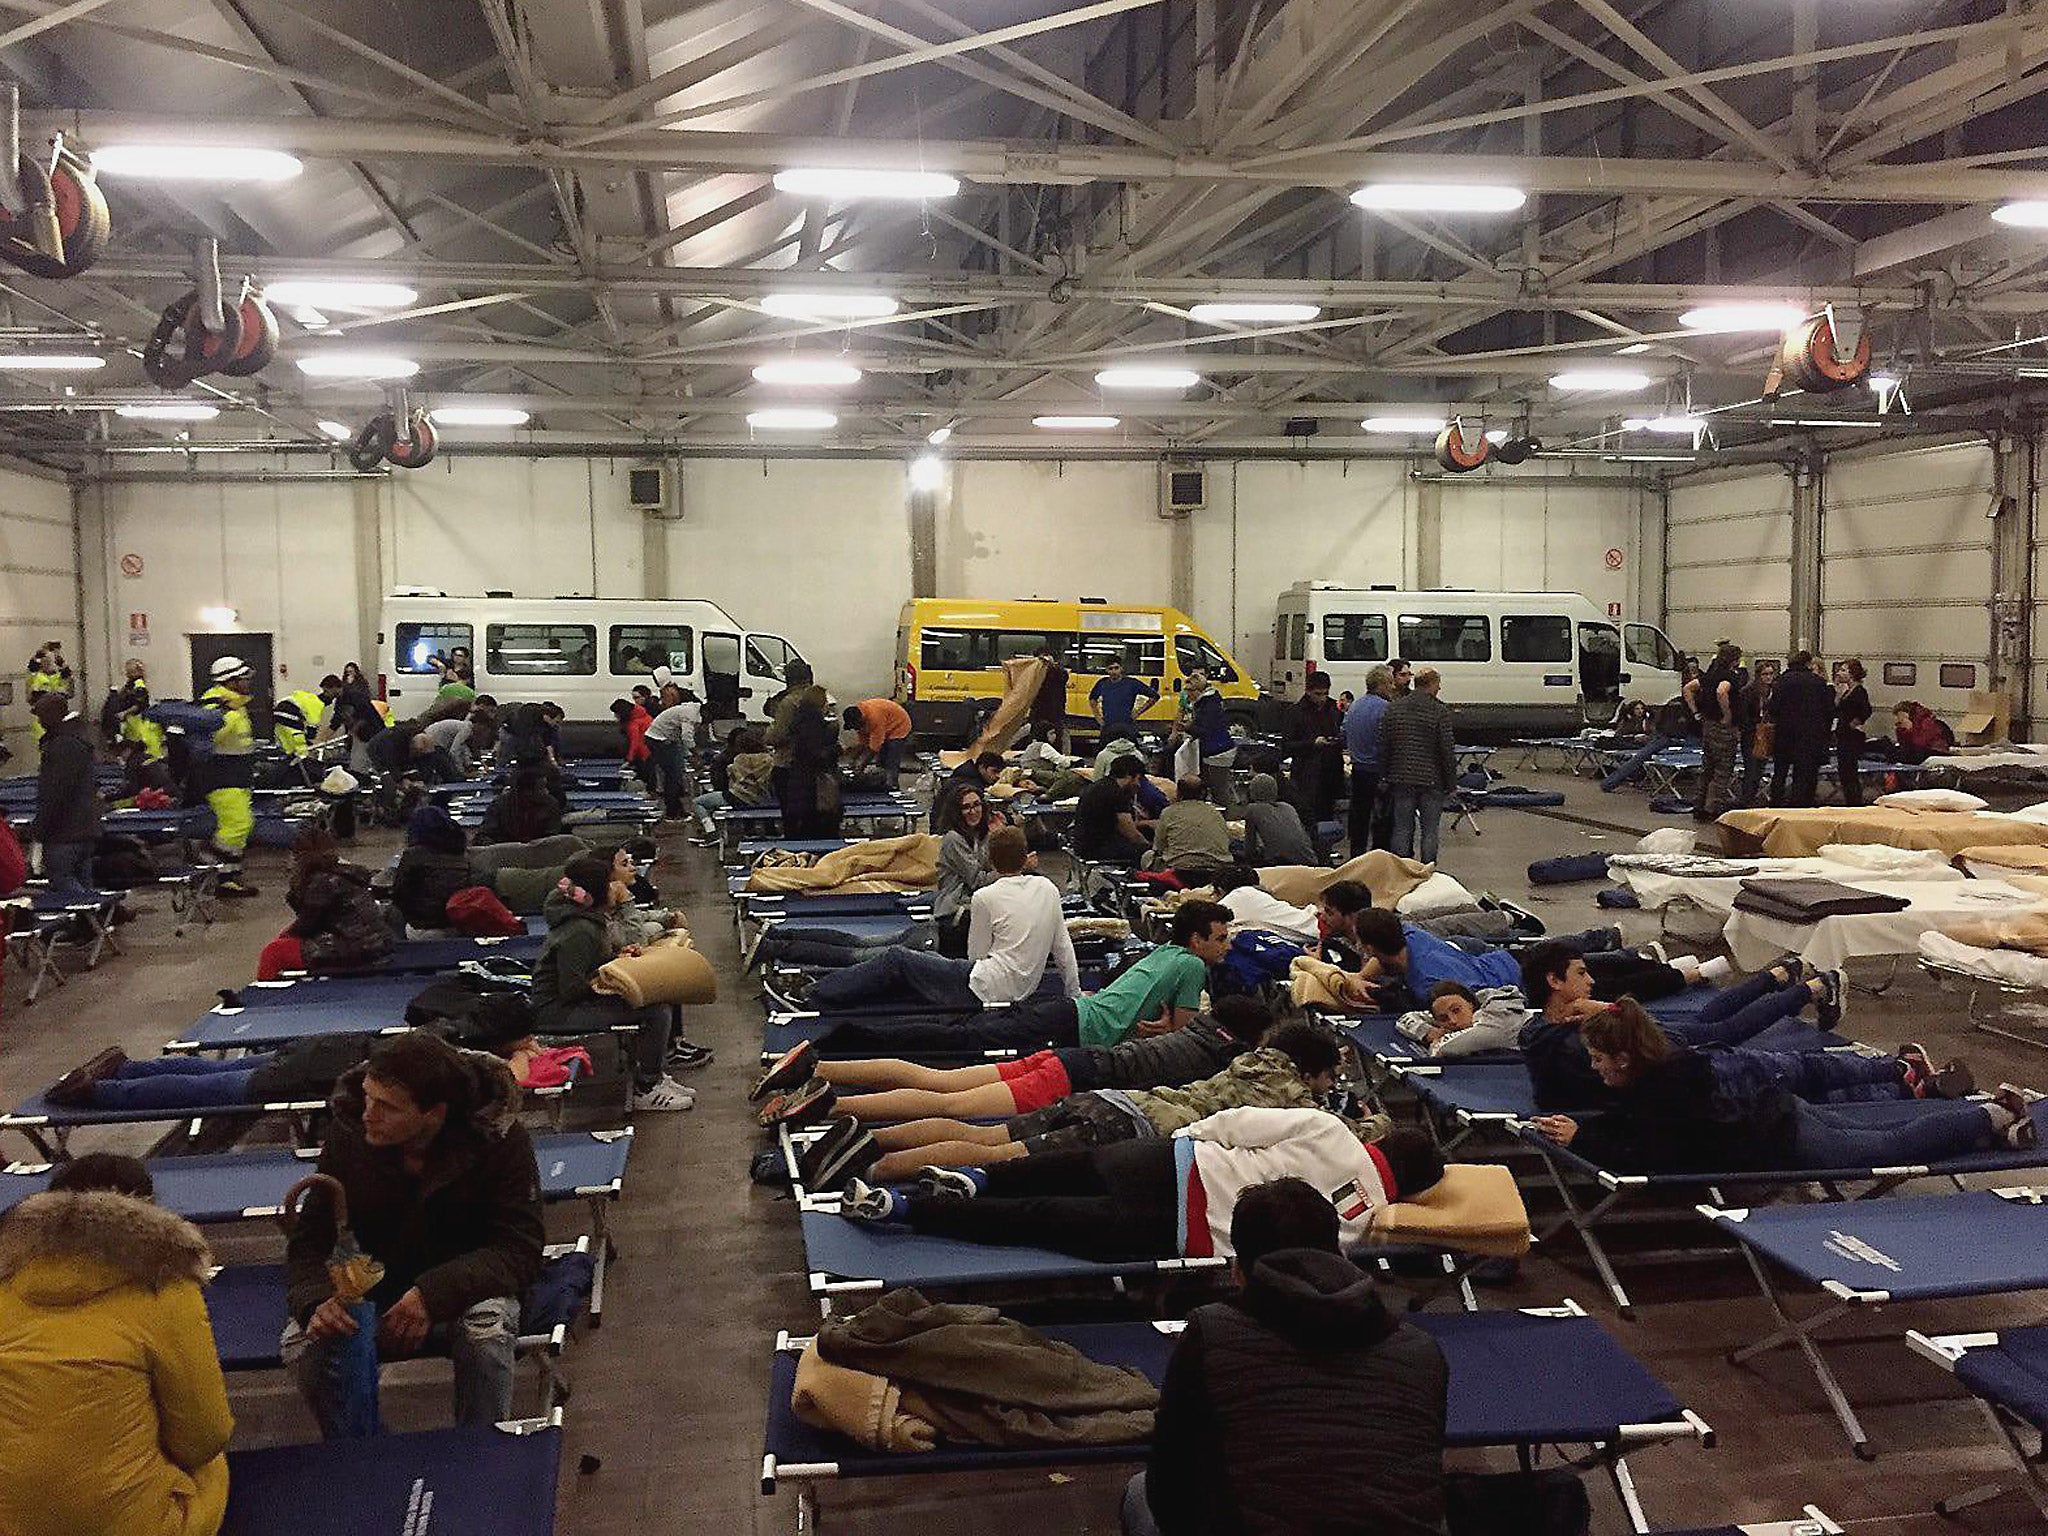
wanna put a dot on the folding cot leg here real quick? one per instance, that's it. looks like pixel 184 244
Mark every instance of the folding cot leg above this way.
pixel 2032 1483
pixel 1582 1220
pixel 45 954
pixel 601 1242
pixel 807 1510
pixel 1625 1489
pixel 1800 1335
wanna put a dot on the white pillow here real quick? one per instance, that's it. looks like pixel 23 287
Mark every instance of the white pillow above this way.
pixel 2038 814
pixel 1931 800
pixel 1666 840
pixel 1437 896
pixel 1881 859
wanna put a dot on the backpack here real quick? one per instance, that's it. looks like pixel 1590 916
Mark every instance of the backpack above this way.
pixel 477 911
pixel 470 1011
pixel 1254 961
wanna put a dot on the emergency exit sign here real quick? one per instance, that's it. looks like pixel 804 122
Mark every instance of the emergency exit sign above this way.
pixel 1614 610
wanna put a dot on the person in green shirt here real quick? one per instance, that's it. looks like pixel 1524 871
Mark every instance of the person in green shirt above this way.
pixel 1163 991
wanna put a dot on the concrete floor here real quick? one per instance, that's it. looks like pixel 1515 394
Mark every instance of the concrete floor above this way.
pixel 669 1392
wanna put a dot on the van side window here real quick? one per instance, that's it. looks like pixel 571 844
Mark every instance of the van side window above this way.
pixel 1647 647
pixel 1535 637
pixel 1354 637
pixel 1143 656
pixel 956 650
pixel 1446 637
pixel 417 643
pixel 640 648
pixel 1192 651
pixel 540 650
pixel 1015 644
pixel 1297 639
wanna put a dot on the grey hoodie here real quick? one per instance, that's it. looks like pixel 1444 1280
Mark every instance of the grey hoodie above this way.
pixel 1273 833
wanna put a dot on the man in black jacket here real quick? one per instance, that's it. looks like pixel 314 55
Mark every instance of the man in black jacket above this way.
pixel 67 821
pixel 1302 1402
pixel 1802 712
pixel 1315 741
pixel 444 1191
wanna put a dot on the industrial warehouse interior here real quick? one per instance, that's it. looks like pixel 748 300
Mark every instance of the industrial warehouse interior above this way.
pixel 1153 768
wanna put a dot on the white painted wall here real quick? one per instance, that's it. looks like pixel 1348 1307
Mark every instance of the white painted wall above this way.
pixel 1728 561
pixel 820 549
pixel 38 589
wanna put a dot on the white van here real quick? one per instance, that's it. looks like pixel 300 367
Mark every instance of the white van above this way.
pixel 1511 661
pixel 582 652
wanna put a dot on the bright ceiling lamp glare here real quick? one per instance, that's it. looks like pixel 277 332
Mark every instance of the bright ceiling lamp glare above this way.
pixel 1251 312
pixel 789 419
pixel 340 432
pixel 829 306
pixel 1154 376
pixel 1076 423
pixel 1600 381
pixel 357 365
pixel 844 185
pixel 50 362
pixel 167 410
pixel 2026 215
pixel 337 293
pixel 1725 319
pixel 927 472
pixel 939 436
pixel 1404 426
pixel 818 372
pixel 1437 197
pixel 479 416
pixel 1670 426
pixel 195 162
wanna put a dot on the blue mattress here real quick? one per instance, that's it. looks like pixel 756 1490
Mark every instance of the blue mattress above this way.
pixel 2012 1373
pixel 1927 1248
pixel 1479 1092
pixel 478 1482
pixel 36 1111
pixel 417 956
pixel 853 1250
pixel 873 929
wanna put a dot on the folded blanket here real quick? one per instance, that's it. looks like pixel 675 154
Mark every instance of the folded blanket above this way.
pixel 669 970
pixel 2025 931
pixel 878 865
pixel 1387 877
pixel 866 1409
pixel 1696 866
pixel 1474 1208
pixel 1313 984
pixel 2028 860
pixel 1808 901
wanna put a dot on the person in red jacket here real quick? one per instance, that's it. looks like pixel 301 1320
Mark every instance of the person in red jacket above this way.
pixel 1919 733
pixel 633 720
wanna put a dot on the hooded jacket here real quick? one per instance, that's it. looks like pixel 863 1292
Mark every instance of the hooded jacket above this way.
pixel 1264 1077
pixel 1218 1158
pixel 1496 1025
pixel 1273 833
pixel 335 918
pixel 425 879
pixel 113 1417
pixel 464 1229
pixel 67 797
pixel 576 945
pixel 1302 1405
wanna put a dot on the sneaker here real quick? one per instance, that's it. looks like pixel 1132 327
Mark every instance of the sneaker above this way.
pixel 235 888
pixel 687 1055
pixel 846 1151
pixel 1833 999
pixel 74 1089
pixel 788 992
pixel 793 1068
pixel 1654 949
pixel 1955 1080
pixel 801 1106
pixel 2021 1133
pixel 952 1183
pixel 666 1094
pixel 1795 969
pixel 863 1201
pixel 1918 1068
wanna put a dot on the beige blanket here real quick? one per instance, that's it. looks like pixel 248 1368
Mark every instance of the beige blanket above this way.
pixel 1476 1208
pixel 1783 833
pixel 880 864
pixel 2033 861
pixel 1020 686
pixel 1313 984
pixel 864 1408
pixel 668 970
pixel 2026 931
pixel 1387 877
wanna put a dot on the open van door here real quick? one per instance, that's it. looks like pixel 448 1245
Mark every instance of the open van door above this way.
pixel 1650 672
pixel 766 671
pixel 1599 672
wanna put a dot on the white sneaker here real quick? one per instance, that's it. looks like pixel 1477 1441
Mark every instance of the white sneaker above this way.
pixel 1717 970
pixel 666 1094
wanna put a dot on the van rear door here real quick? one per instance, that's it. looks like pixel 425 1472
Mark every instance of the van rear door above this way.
pixel 766 671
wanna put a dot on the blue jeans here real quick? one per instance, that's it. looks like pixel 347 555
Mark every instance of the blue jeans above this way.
pixel 1412 804
pixel 891 758
pixel 68 868
pixel 1819 1077
pixel 912 977
pixel 706 803
pixel 1630 768
pixel 1888 1135
pixel 669 763
pixel 177 1082
pixel 1741 1012
pixel 481 1343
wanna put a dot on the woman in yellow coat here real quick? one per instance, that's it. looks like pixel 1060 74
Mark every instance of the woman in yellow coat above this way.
pixel 113 1416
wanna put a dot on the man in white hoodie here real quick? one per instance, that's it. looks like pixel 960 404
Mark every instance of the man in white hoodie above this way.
pixel 1162 1197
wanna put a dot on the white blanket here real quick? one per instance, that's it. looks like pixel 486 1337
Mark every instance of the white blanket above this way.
pixel 2007 967
pixel 1715 896
pixel 1756 941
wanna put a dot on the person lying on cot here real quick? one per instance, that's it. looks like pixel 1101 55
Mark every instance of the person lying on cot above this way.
pixel 1462 1022
pixel 1294 1067
pixel 1677 1110
pixel 1560 988
pixel 1162 1197
pixel 1155 996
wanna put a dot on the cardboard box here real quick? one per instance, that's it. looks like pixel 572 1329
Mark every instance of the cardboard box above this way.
pixel 1988 719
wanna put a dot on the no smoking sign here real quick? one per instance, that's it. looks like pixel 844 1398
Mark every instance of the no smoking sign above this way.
pixel 1615 559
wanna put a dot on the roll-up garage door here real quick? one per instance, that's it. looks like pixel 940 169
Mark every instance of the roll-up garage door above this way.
pixel 1728 562
pixel 38 589
pixel 1905 575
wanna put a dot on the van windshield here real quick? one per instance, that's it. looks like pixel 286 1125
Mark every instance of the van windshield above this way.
pixel 1192 651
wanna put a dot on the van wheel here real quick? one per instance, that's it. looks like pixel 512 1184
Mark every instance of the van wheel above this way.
pixel 1242 722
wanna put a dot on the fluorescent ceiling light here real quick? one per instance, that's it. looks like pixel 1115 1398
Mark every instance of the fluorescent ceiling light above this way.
pixel 1609 381
pixel 338 293
pixel 1076 423
pixel 822 181
pixel 168 410
pixel 1726 318
pixel 1634 349
pixel 357 365
pixel 829 306
pixel 1405 425
pixel 784 419
pixel 927 472
pixel 938 435
pixel 195 162
pixel 2027 215
pixel 479 416
pixel 1674 425
pixel 807 370
pixel 1252 312
pixel 339 431
pixel 51 362
pixel 1155 376
pixel 1438 197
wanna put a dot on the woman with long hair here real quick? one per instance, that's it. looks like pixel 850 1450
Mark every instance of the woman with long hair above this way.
pixel 336 924
pixel 964 867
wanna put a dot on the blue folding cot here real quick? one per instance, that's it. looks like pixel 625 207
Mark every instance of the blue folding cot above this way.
pixel 2007 1371
pixel 47 1127
pixel 869 813
pixel 750 849
pixel 1866 1254
pixel 268 1014
pixel 465 1481
pixel 1523 1379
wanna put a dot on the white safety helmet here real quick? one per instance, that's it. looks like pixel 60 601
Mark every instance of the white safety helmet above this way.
pixel 227 668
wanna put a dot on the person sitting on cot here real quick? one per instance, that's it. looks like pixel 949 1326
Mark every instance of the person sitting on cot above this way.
pixel 1677 1110
pixel 1161 1197
pixel 1560 988
pixel 1294 1067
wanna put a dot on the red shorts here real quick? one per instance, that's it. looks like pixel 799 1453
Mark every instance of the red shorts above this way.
pixel 1036 1081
